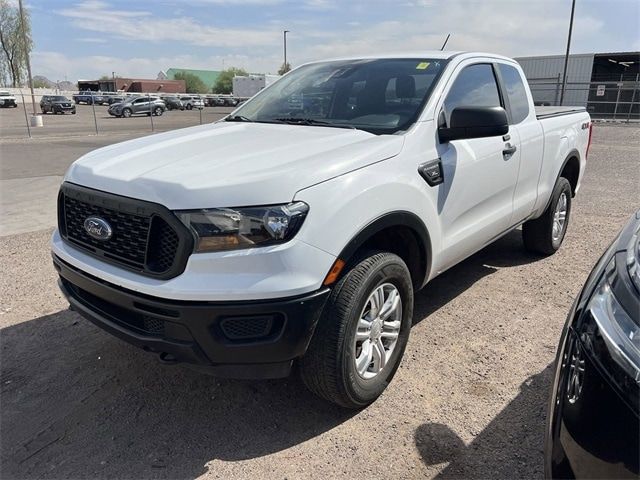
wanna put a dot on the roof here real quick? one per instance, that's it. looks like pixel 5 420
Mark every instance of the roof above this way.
pixel 431 54
pixel 208 77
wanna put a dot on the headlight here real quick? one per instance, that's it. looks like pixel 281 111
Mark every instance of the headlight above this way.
pixel 633 259
pixel 219 229
pixel 620 332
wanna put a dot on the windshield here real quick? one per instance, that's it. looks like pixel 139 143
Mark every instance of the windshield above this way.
pixel 379 96
pixel 60 99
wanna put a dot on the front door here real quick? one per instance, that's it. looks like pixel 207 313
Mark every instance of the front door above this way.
pixel 475 203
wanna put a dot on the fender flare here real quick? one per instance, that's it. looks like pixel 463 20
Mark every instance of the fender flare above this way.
pixel 573 153
pixel 392 219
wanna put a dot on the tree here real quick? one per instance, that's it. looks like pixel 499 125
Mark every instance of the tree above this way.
pixel 284 68
pixel 40 83
pixel 105 78
pixel 224 83
pixel 192 82
pixel 12 41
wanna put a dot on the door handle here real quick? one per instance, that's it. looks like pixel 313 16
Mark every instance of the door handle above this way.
pixel 508 150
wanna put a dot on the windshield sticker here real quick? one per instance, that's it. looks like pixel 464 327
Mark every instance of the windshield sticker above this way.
pixel 422 66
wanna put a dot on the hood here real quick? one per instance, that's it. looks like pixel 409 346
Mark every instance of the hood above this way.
pixel 229 164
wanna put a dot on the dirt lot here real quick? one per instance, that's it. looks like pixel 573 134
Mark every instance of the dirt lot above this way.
pixel 468 401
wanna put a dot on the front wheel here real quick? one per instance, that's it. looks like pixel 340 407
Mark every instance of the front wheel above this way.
pixel 189 107
pixel 157 112
pixel 545 234
pixel 362 332
pixel 126 113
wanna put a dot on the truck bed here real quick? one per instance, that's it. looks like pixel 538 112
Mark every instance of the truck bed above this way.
pixel 548 112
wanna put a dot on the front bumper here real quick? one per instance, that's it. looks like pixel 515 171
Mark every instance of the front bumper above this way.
pixel 62 108
pixel 250 339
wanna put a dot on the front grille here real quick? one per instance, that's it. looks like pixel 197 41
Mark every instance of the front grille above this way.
pixel 145 237
pixel 129 240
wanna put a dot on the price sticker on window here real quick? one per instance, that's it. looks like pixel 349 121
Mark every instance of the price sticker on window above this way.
pixel 422 66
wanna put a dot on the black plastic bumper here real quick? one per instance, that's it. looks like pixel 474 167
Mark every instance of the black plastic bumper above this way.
pixel 252 339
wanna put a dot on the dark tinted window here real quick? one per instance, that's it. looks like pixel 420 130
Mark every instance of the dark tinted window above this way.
pixel 516 93
pixel 475 86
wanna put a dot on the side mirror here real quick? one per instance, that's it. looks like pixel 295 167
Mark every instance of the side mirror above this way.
pixel 475 122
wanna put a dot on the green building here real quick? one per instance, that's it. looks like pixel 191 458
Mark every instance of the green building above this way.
pixel 208 77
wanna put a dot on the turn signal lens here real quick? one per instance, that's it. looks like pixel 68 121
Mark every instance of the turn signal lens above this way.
pixel 334 273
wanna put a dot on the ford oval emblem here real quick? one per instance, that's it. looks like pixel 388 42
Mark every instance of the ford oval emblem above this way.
pixel 98 228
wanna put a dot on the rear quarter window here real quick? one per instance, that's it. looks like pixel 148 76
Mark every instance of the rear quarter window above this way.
pixel 516 92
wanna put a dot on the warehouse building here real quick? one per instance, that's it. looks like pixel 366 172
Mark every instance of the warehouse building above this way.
pixel 607 84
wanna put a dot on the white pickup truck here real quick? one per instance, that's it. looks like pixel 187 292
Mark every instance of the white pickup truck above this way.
pixel 298 228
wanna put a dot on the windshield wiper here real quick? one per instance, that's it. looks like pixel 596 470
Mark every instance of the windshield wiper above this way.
pixel 312 121
pixel 238 118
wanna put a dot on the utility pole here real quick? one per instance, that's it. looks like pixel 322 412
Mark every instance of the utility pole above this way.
pixel 566 56
pixel 285 49
pixel 24 39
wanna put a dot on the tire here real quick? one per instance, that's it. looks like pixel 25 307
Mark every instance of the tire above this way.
pixel 44 112
pixel 189 107
pixel 539 235
pixel 328 368
pixel 158 112
pixel 126 113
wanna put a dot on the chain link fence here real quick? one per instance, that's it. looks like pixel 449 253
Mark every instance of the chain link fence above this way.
pixel 604 100
pixel 91 117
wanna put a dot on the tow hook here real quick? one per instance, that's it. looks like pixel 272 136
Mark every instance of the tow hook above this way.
pixel 167 358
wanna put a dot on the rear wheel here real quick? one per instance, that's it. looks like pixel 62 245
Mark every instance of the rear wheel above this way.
pixel 362 333
pixel 189 107
pixel 545 234
pixel 126 113
pixel 157 111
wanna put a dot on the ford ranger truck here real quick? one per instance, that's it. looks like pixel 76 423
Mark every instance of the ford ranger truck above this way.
pixel 297 229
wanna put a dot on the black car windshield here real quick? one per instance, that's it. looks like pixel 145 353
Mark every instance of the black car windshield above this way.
pixel 381 96
pixel 60 99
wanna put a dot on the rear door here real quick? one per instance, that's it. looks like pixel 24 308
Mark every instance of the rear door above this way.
pixel 480 174
pixel 523 122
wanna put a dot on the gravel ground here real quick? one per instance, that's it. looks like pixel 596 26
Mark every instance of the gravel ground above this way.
pixel 469 399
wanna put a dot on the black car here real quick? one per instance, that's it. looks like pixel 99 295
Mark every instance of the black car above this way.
pixel 593 428
pixel 56 104
pixel 173 103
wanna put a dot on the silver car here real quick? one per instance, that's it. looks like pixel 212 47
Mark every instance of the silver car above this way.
pixel 191 102
pixel 138 105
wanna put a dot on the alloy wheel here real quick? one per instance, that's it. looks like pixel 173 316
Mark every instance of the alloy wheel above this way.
pixel 377 331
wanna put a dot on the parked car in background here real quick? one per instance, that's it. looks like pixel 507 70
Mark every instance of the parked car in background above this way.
pixel 593 426
pixel 228 100
pixel 190 102
pixel 116 99
pixel 89 97
pixel 138 105
pixel 173 103
pixel 7 99
pixel 305 241
pixel 56 104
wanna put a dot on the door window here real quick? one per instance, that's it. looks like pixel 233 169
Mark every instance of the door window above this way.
pixel 475 86
pixel 516 92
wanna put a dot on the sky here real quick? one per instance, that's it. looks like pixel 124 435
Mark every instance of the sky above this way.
pixel 85 39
